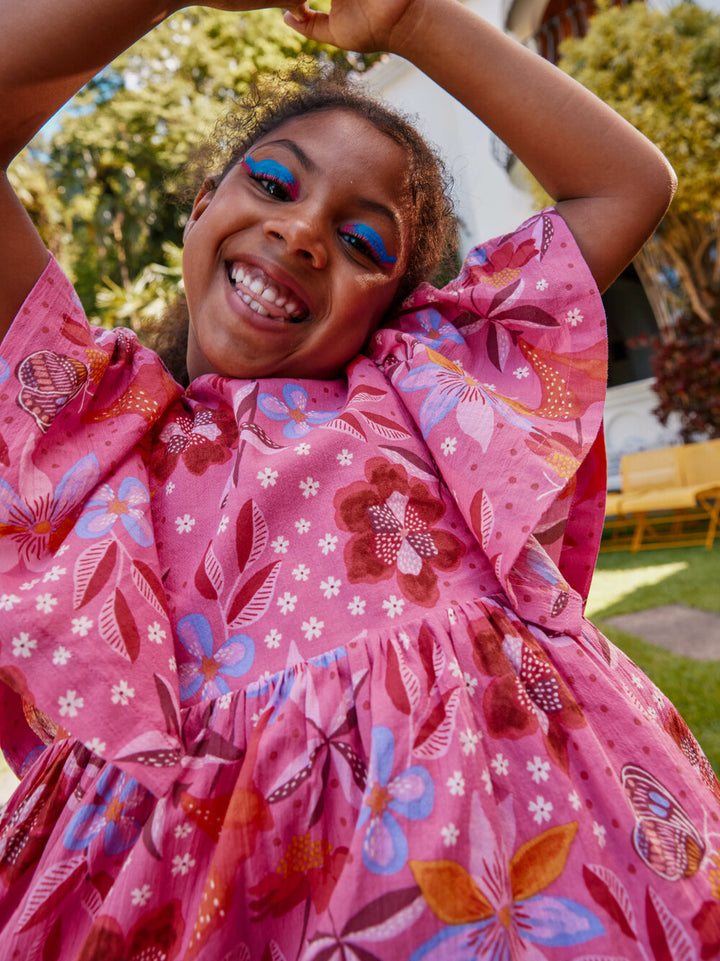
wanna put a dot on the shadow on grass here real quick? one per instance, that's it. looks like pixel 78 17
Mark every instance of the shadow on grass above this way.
pixel 626 583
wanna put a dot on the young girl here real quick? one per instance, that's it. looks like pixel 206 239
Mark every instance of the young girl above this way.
pixel 294 660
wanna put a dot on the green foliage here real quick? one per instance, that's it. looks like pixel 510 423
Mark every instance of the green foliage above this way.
pixel 102 190
pixel 687 368
pixel 661 71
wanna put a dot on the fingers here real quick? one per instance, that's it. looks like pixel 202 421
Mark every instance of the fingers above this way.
pixel 310 23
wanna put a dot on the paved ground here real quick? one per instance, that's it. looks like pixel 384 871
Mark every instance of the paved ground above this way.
pixel 683 630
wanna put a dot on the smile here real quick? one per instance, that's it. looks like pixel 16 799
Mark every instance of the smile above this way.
pixel 265 296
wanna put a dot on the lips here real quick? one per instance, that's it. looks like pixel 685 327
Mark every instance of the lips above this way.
pixel 266 296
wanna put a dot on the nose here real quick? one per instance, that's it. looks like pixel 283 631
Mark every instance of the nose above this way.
pixel 301 234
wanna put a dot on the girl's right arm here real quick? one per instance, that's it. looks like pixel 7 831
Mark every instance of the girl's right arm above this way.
pixel 48 50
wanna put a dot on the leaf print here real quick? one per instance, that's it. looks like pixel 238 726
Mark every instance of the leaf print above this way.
pixel 668 938
pixel 50 891
pixel 92 570
pixel 253 598
pixel 381 910
pixel 541 860
pixel 435 734
pixel 258 438
pixel 402 456
pixel 498 345
pixel 348 424
pixel 209 578
pixel 367 393
pixel 482 517
pixel 169 705
pixel 117 626
pixel 607 890
pixel 436 879
pixel 385 427
pixel 251 534
pixel 400 682
pixel 548 231
pixel 149 585
pixel 244 400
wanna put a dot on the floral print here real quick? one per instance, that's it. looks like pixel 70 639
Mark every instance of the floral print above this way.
pixel 392 518
pixel 298 670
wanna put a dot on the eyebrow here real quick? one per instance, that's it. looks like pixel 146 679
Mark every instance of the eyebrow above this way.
pixel 365 203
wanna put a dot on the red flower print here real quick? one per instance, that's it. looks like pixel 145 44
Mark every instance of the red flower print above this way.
pixel 526 693
pixel 504 264
pixel 157 934
pixel 309 870
pixel 201 439
pixel 392 519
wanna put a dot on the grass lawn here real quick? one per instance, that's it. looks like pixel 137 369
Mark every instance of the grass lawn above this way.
pixel 625 583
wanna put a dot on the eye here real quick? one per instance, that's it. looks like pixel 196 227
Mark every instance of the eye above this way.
pixel 367 242
pixel 274 178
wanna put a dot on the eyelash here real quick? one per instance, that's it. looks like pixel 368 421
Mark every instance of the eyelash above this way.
pixel 354 240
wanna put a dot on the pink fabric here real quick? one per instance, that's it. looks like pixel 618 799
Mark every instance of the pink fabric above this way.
pixel 299 669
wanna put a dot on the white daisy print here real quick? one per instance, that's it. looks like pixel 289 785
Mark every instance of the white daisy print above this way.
pixel 61 655
pixel 327 544
pixel 330 587
pixel 24 645
pixel 345 458
pixel 302 526
pixel 81 625
pixel 573 317
pixel 139 897
pixel 70 704
pixel 54 574
pixel 280 545
pixel 539 769
pixel 302 449
pixel 449 446
pixel 273 638
pixel 357 606
pixel 184 524
pixel 156 634
pixel 287 602
pixel 8 601
pixel 450 834
pixel 182 864
pixel 312 628
pixel 309 487
pixel 393 606
pixel 122 692
pixel 267 477
pixel 45 603
pixel 301 572
pixel 456 784
pixel 540 809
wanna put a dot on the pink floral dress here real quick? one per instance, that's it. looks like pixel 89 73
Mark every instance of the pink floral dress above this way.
pixel 298 669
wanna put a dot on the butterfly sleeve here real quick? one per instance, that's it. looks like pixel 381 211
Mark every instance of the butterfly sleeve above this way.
pixel 504 372
pixel 77 406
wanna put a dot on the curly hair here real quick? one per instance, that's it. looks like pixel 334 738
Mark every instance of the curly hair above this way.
pixel 271 102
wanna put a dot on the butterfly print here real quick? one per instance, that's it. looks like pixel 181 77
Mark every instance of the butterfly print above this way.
pixel 664 837
pixel 49 382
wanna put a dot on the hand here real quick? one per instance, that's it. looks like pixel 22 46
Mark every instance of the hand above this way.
pixel 299 8
pixel 364 25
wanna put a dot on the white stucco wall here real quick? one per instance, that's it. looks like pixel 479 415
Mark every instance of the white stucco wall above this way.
pixel 487 201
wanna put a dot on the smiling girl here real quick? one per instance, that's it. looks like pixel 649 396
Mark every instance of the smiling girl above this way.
pixel 294 662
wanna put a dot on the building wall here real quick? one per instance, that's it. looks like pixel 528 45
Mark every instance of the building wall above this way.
pixel 490 202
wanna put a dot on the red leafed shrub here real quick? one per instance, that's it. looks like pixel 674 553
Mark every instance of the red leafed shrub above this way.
pixel 687 371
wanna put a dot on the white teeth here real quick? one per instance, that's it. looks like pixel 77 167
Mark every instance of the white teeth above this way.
pixel 254 281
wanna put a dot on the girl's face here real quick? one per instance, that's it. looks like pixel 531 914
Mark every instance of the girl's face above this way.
pixel 293 260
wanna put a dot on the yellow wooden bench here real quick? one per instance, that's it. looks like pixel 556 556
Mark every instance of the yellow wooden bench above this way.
pixel 669 497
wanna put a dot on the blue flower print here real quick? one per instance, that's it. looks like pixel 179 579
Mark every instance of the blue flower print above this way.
pixel 129 507
pixel 207 667
pixel 435 329
pixel 119 816
pixel 4 370
pixel 410 794
pixel 300 421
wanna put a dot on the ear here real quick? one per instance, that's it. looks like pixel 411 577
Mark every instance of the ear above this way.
pixel 201 203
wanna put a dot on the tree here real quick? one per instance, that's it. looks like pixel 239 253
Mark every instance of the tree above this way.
pixel 661 71
pixel 102 188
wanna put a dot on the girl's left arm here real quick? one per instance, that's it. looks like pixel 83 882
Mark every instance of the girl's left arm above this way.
pixel 610 183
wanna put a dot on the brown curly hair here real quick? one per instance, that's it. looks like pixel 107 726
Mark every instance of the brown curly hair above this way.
pixel 271 102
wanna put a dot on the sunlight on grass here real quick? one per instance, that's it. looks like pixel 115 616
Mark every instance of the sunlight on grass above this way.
pixel 610 587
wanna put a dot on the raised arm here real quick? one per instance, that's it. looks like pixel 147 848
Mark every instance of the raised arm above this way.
pixel 610 183
pixel 48 50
